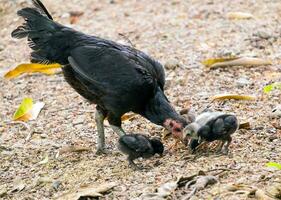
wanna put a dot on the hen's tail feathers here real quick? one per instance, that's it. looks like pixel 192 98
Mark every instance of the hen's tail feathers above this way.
pixel 41 8
pixel 39 28
pixel 34 20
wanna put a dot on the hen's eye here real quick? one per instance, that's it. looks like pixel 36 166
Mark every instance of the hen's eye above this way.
pixel 177 129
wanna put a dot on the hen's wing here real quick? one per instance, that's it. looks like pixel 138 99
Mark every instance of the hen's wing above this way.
pixel 113 75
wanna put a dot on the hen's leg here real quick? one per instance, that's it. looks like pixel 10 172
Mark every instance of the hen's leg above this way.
pixel 115 123
pixel 100 116
pixel 118 130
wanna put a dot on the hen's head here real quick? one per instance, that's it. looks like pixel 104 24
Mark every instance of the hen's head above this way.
pixel 176 126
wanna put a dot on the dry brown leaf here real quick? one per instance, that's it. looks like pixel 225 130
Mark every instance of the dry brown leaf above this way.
pixel 74 16
pixel 43 180
pixel 163 191
pixel 274 191
pixel 167 188
pixel 128 116
pixel 259 195
pixel 3 192
pixel 235 61
pixel 233 96
pixel 245 125
pixel 32 68
pixel 236 187
pixel 204 181
pixel 72 148
pixel 87 191
pixel 239 15
pixel 18 185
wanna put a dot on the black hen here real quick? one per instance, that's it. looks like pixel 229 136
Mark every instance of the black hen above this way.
pixel 137 145
pixel 211 126
pixel 115 77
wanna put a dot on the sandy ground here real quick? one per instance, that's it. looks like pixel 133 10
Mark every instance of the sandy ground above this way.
pixel 185 32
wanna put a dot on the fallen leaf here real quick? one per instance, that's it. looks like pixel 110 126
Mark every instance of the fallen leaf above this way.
pixel 163 191
pixel 233 96
pixel 74 16
pixel 36 109
pixel 204 181
pixel 199 184
pixel 44 161
pixel 239 15
pixel 244 125
pixel 274 191
pixel 43 180
pixel 87 191
pixel 72 148
pixel 25 107
pixel 3 192
pixel 274 165
pixel 235 187
pixel 32 68
pixel 212 61
pixel 167 189
pixel 271 87
pixel 27 110
pixel 235 61
pixel 18 185
pixel 259 195
pixel 128 116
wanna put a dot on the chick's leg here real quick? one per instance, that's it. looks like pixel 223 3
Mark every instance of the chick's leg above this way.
pixel 132 164
pixel 225 147
pixel 100 129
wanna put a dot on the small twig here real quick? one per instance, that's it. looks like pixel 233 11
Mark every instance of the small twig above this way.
pixel 62 109
pixel 17 122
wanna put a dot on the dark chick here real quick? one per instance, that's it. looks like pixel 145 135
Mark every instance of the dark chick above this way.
pixel 211 126
pixel 115 77
pixel 137 145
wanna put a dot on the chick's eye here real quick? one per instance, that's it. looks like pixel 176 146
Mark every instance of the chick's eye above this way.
pixel 189 133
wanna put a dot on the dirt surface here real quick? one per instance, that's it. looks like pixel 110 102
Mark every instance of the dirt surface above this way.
pixel 181 32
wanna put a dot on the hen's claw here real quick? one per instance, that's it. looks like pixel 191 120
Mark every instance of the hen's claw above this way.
pixel 101 151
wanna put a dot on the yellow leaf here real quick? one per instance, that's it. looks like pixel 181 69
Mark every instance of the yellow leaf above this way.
pixel 211 61
pixel 128 116
pixel 235 61
pixel 239 15
pixel 27 110
pixel 233 96
pixel 32 68
pixel 36 108
pixel 25 106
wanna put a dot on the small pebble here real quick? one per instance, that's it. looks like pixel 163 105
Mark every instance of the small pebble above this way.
pixel 243 81
pixel 276 112
pixel 172 64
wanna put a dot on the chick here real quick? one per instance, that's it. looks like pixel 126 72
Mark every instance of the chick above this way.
pixel 211 126
pixel 137 145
